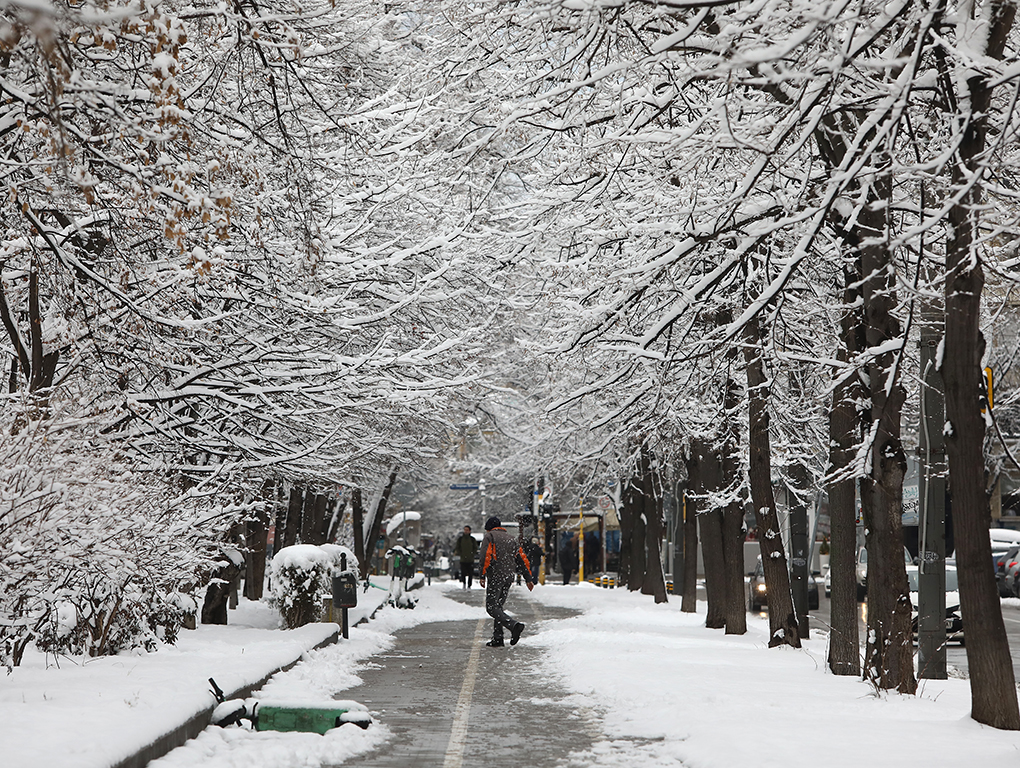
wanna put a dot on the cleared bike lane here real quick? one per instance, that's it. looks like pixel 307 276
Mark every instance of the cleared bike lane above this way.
pixel 451 702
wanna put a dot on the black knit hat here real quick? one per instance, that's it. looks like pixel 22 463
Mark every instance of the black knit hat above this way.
pixel 492 522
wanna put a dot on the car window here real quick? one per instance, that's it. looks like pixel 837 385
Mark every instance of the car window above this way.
pixel 952 584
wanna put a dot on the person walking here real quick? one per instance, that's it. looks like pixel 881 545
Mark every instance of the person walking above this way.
pixel 568 555
pixel 465 550
pixel 534 552
pixel 501 558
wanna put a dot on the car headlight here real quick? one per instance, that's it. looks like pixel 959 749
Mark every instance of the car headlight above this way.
pixel 761 587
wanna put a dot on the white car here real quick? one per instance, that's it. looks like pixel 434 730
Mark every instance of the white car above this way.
pixel 862 570
pixel 954 620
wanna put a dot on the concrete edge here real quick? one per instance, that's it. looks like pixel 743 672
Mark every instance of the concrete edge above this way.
pixel 194 726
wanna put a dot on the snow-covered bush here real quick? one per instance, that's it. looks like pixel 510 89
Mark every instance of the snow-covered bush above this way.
pixel 96 557
pixel 300 578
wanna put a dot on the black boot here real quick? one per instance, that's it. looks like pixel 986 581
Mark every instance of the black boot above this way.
pixel 515 633
pixel 494 643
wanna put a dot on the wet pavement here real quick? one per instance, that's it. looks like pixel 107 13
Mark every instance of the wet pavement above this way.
pixel 450 701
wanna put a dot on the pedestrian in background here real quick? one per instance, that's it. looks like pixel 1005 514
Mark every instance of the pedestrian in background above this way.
pixel 465 550
pixel 568 555
pixel 501 559
pixel 534 552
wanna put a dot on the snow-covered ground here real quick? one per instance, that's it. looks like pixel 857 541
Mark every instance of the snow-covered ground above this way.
pixel 663 690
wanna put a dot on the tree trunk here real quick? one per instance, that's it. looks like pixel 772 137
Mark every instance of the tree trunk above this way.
pixel 358 524
pixel 281 516
pixel 307 534
pixel 844 637
pixel 638 556
pixel 379 513
pixel 706 480
pixel 255 533
pixel 782 619
pixel 628 500
pixel 888 658
pixel 290 534
pixel 653 581
pixel 689 603
pixel 992 683
pixel 318 529
pixel 733 516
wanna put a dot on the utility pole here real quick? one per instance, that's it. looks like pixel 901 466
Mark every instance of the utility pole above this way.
pixel 931 597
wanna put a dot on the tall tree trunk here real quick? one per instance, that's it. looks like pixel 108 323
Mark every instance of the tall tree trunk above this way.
pixel 358 524
pixel 844 637
pixel 307 534
pixel 782 618
pixel 378 514
pixel 628 502
pixel 255 534
pixel 733 513
pixel 888 658
pixel 318 529
pixel 992 683
pixel 689 602
pixel 654 581
pixel 294 507
pixel 280 524
pixel 706 480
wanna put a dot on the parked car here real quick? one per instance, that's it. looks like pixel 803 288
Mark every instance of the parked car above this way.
pixel 862 570
pixel 758 592
pixel 1005 551
pixel 954 620
pixel 1005 568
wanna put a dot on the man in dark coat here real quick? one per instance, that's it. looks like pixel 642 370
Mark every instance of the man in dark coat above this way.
pixel 464 550
pixel 568 555
pixel 501 558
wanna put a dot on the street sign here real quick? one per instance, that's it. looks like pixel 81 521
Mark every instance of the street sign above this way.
pixel 605 502
pixel 463 487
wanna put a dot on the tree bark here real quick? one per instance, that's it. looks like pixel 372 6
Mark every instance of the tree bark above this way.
pixel 888 657
pixel 689 602
pixel 992 683
pixel 653 581
pixel 782 618
pixel 307 534
pixel 358 523
pixel 707 479
pixel 290 534
pixel 628 500
pixel 844 421
pixel 255 534
pixel 733 514
pixel 379 513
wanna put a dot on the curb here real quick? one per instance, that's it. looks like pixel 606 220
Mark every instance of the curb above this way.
pixel 189 730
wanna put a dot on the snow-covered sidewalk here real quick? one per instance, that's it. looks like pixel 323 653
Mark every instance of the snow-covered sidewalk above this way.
pixel 655 687
pixel 60 713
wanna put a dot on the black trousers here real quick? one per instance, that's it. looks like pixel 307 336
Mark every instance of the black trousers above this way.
pixel 496 592
pixel 467 571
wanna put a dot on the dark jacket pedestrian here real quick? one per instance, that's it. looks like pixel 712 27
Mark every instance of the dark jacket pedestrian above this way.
pixel 534 552
pixel 501 558
pixel 592 553
pixel 465 550
pixel 568 555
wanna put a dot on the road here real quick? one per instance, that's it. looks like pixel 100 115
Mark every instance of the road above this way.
pixel 956 654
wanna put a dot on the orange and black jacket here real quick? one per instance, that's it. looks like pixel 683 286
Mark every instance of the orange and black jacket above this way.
pixel 501 556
